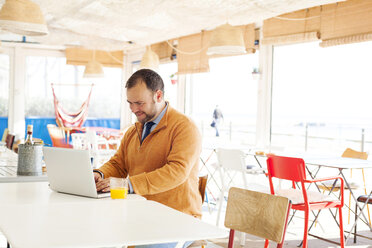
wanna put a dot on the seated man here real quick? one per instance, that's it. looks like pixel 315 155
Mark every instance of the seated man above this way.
pixel 159 153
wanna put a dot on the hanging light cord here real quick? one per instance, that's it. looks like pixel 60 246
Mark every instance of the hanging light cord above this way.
pixel 114 58
pixel 296 19
pixel 187 53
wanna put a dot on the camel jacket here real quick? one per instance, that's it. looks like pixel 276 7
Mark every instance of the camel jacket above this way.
pixel 164 167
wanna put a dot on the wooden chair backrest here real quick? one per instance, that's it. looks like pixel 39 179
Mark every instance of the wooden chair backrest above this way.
pixel 9 141
pixel 350 153
pixel 260 214
pixel 5 133
pixel 202 186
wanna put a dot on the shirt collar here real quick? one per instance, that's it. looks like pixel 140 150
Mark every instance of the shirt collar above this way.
pixel 160 116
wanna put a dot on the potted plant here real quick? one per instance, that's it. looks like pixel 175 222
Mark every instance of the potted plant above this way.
pixel 173 78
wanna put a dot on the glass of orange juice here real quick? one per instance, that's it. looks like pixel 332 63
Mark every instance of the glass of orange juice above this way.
pixel 118 188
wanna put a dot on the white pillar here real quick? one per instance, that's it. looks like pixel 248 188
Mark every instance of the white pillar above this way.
pixel 16 116
pixel 125 113
pixel 263 124
pixel 181 93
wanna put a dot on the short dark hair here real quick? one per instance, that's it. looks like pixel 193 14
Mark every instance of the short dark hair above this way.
pixel 152 80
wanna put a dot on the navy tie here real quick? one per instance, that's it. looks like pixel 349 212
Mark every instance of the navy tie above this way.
pixel 147 129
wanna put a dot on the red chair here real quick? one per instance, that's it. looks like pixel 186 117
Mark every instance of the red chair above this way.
pixel 293 169
pixel 58 136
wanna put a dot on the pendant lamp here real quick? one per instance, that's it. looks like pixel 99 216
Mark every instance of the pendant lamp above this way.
pixel 150 60
pixel 22 17
pixel 226 40
pixel 93 69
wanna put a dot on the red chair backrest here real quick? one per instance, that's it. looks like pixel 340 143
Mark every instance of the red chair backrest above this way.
pixel 57 136
pixel 286 168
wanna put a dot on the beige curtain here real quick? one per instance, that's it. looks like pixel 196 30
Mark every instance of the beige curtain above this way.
pixel 346 40
pixel 294 27
pixel 163 50
pixel 346 22
pixel 81 56
pixel 249 34
pixel 291 38
pixel 192 55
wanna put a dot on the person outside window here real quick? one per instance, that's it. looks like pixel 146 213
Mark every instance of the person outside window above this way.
pixel 217 118
pixel 159 153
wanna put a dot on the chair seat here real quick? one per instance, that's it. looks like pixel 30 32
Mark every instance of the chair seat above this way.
pixel 327 185
pixel 318 205
pixel 296 196
pixel 363 198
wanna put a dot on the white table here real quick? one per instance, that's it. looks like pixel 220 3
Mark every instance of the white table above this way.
pixel 31 215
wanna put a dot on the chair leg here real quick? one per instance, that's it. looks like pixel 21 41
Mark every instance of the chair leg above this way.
pixel 222 195
pixel 220 202
pixel 242 239
pixel 365 191
pixel 306 226
pixel 266 243
pixel 342 239
pixel 231 239
pixel 356 219
pixel 348 215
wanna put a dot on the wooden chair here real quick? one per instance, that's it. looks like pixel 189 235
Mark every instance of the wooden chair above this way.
pixel 293 170
pixel 366 200
pixel 202 186
pixel 5 133
pixel 350 153
pixel 58 136
pixel 257 213
pixel 9 141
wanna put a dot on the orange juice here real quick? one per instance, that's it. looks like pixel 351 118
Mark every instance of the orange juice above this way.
pixel 119 193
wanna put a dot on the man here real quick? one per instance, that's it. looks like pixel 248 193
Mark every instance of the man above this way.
pixel 217 118
pixel 160 153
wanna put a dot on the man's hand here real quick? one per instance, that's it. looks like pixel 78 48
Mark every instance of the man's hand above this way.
pixel 101 184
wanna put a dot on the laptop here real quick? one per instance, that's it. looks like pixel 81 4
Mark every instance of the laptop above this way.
pixel 70 171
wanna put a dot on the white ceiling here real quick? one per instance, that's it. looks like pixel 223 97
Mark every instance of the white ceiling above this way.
pixel 111 24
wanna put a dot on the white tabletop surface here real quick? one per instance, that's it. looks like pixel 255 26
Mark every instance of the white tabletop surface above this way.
pixel 328 161
pixel 339 162
pixel 31 215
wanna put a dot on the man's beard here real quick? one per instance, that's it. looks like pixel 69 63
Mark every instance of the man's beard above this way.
pixel 147 118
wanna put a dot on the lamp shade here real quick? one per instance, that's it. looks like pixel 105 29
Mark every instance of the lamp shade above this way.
pixel 93 70
pixel 150 60
pixel 226 40
pixel 22 17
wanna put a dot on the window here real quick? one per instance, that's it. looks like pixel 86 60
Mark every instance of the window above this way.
pixel 322 97
pixel 4 92
pixel 167 72
pixel 4 84
pixel 230 85
pixel 43 71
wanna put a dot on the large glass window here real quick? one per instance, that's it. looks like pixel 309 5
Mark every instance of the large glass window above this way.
pixel 4 84
pixel 168 74
pixel 322 97
pixel 4 92
pixel 43 71
pixel 230 85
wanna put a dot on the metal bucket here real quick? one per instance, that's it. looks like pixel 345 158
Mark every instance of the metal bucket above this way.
pixel 30 160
